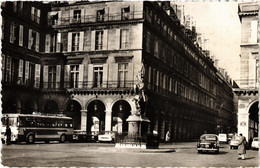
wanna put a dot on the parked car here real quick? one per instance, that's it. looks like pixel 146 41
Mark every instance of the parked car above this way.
pixel 83 136
pixel 229 137
pixel 234 142
pixel 222 138
pixel 255 143
pixel 107 136
pixel 208 142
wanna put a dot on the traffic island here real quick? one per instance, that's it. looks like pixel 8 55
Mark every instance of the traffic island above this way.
pixel 149 141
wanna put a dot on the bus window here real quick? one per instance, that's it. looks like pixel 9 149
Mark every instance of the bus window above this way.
pixel 21 122
pixel 30 122
pixel 48 122
pixel 4 121
pixel 54 123
pixel 12 121
pixel 38 122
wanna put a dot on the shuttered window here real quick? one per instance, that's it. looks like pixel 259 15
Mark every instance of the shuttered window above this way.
pixel 124 39
pixel 20 71
pixel 37 75
pixel 33 40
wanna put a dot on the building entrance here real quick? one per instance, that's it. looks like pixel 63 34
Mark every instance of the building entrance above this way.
pixel 120 112
pixel 73 110
pixel 253 120
pixel 96 117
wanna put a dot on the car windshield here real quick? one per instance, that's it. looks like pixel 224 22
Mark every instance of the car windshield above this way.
pixel 208 137
pixel 255 139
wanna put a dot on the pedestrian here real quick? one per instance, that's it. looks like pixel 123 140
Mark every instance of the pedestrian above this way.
pixel 241 147
pixel 167 137
pixel 8 135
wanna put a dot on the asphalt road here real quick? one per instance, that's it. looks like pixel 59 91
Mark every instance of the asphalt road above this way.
pixel 106 155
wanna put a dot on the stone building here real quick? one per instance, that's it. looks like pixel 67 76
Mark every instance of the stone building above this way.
pixel 129 67
pixel 247 92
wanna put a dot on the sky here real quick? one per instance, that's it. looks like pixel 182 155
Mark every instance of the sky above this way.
pixel 219 22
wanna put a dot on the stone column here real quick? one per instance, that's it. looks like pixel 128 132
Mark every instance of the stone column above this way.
pixel 108 120
pixel 83 120
pixel 243 121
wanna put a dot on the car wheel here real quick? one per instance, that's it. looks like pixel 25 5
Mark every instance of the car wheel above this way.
pixel 199 151
pixel 62 138
pixel 30 139
pixel 217 151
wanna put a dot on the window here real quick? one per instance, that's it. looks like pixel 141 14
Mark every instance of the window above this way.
pixel 125 13
pixel 74 76
pixel 77 16
pixel 99 40
pixel 156 48
pixel 31 75
pixel 14 35
pixel 148 41
pixel 52 77
pixel 98 76
pixel 32 40
pixel 100 15
pixel 17 7
pixel 14 70
pixel 122 74
pixel 75 41
pixel 54 16
pixel 124 39
pixel 53 43
pixel 35 15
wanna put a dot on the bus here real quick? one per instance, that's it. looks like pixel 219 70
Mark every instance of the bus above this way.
pixel 37 127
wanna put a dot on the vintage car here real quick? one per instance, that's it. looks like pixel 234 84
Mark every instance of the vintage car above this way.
pixel 208 142
pixel 222 138
pixel 255 143
pixel 234 142
pixel 107 136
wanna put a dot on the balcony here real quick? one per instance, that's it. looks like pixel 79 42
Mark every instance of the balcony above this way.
pixel 90 85
pixel 19 82
pixel 134 15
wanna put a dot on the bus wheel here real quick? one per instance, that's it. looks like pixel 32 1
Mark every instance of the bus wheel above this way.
pixel 62 138
pixel 30 139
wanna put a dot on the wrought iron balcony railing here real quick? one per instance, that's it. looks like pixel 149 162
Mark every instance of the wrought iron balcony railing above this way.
pixel 94 18
pixel 89 85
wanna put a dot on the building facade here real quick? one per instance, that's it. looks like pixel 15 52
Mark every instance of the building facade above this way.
pixel 129 67
pixel 249 70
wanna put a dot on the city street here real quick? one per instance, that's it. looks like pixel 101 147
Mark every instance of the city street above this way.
pixel 105 155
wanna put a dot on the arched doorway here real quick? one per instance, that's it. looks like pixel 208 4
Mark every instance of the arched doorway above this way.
pixel 73 110
pixel 51 107
pixel 96 117
pixel 253 120
pixel 121 110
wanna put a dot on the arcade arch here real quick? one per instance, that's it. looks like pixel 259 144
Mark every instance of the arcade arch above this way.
pixel 121 110
pixel 73 110
pixel 253 119
pixel 96 116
